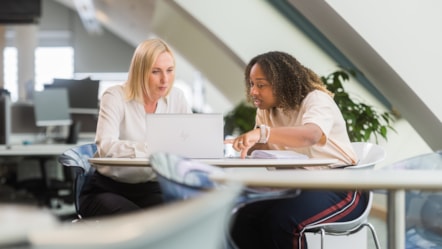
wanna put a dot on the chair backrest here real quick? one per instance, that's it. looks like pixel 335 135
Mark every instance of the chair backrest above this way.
pixel 369 154
pixel 77 158
pixel 196 223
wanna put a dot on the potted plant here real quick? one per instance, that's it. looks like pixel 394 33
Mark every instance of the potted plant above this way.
pixel 363 121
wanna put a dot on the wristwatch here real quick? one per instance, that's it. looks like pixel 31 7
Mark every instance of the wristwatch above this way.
pixel 264 135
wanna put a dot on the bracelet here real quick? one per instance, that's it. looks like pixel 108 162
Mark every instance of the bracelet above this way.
pixel 264 135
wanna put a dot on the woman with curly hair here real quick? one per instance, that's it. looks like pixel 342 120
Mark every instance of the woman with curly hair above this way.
pixel 295 112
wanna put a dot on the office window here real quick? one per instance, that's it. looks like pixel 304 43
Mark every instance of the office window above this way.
pixel 10 71
pixel 50 62
pixel 53 62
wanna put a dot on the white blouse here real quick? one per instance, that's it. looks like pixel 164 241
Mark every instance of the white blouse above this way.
pixel 121 127
pixel 318 108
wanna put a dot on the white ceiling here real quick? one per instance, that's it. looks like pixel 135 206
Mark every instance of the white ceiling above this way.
pixel 128 19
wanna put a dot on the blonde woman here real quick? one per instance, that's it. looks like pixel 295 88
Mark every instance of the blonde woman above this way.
pixel 120 128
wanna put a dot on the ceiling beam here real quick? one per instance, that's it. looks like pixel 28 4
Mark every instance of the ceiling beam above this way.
pixel 87 13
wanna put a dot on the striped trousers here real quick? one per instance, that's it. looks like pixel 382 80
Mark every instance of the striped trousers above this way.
pixel 279 224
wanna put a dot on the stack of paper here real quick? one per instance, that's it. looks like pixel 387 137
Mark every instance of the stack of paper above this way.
pixel 277 154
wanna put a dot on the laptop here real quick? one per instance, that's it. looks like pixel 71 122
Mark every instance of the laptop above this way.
pixel 199 136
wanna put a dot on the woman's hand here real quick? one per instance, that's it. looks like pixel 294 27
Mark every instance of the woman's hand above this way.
pixel 244 142
pixel 299 136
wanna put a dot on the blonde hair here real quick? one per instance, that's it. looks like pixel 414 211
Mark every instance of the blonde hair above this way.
pixel 141 65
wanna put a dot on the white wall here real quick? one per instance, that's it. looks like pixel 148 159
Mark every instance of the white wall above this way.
pixel 254 27
pixel 408 35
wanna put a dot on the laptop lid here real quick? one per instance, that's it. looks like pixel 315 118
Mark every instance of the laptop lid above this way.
pixel 189 135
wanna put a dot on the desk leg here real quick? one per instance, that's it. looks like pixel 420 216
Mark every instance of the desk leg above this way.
pixel 396 219
pixel 46 180
pixel 44 174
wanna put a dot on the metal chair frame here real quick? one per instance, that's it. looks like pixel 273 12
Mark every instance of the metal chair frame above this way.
pixel 347 227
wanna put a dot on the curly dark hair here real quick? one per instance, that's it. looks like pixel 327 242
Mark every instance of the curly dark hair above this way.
pixel 290 80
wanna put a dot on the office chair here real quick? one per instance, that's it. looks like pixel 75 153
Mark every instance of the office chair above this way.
pixel 39 177
pixel 348 227
pixel 369 155
pixel 423 208
pixel 77 158
pixel 181 178
pixel 197 223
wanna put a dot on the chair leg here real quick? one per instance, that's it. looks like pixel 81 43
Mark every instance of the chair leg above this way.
pixel 322 238
pixel 374 235
pixel 372 230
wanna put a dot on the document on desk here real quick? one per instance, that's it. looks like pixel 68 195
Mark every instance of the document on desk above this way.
pixel 277 154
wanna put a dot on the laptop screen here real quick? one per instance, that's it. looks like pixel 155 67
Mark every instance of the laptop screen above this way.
pixel 189 135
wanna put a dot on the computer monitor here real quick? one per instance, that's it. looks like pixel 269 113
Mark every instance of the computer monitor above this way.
pixel 51 108
pixel 5 117
pixel 83 94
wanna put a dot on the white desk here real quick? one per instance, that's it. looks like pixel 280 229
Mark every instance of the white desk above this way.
pixel 34 149
pixel 394 181
pixel 225 162
pixel 42 152
pixel 423 176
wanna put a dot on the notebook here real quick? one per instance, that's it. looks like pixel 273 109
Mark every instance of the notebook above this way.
pixel 199 136
pixel 277 154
